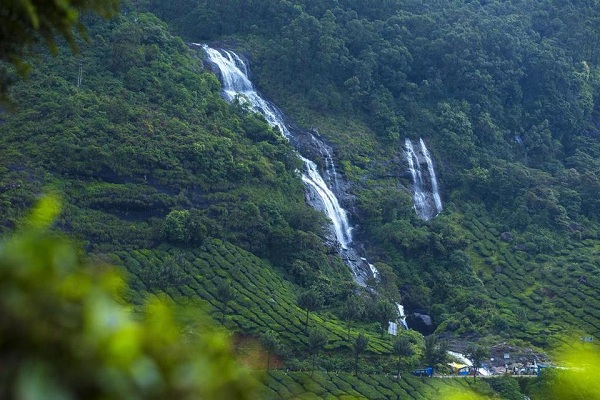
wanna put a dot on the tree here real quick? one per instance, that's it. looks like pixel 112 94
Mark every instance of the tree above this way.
pixel 25 23
pixel 435 351
pixel 310 300
pixel 224 294
pixel 269 340
pixel 387 281
pixel 317 340
pixel 352 309
pixel 402 348
pixel 173 228
pixel 360 346
pixel 477 354
pixel 170 273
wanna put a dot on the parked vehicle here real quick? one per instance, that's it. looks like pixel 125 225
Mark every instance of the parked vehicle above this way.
pixel 423 372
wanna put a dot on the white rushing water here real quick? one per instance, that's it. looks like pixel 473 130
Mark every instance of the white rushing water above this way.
pixel 426 196
pixel 434 185
pixel 393 326
pixel 333 210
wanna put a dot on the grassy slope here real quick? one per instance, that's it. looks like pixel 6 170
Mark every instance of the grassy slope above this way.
pixel 541 295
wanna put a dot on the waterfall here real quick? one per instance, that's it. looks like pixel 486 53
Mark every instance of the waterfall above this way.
pixel 234 77
pixel 330 171
pixel 234 80
pixel 426 197
pixel 393 326
pixel 434 185
pixel 419 199
pixel 333 210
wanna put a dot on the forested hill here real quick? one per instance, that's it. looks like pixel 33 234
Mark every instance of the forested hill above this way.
pixel 505 95
pixel 145 151
pixel 504 91
pixel 196 197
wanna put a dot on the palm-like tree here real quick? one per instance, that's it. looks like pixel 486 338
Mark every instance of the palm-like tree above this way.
pixel 317 340
pixel 270 342
pixel 402 348
pixel 360 346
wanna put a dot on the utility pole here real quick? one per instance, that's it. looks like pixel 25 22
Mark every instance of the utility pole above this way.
pixel 80 75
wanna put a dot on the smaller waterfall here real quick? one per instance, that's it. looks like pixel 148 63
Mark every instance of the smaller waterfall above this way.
pixel 374 270
pixel 434 185
pixel 401 315
pixel 393 326
pixel 419 199
pixel 330 172
pixel 426 197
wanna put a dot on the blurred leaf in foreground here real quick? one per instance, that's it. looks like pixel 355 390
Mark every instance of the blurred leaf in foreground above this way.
pixel 64 333
pixel 576 378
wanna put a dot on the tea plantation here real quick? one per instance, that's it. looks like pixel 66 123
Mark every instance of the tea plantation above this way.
pixel 342 385
pixel 262 298
pixel 558 286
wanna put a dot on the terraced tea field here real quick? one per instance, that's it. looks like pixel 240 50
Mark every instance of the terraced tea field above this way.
pixel 342 385
pixel 542 294
pixel 263 299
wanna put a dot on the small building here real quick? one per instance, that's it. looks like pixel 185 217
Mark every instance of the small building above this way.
pixel 459 369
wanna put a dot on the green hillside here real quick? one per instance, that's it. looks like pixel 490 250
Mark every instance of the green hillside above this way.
pixel 200 200
pixel 332 385
pixel 505 95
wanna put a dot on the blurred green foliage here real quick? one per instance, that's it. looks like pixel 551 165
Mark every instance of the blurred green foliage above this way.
pixel 65 333
pixel 576 376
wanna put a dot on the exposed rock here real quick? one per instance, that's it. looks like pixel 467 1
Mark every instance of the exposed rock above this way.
pixel 421 323
pixel 506 237
pixel 425 318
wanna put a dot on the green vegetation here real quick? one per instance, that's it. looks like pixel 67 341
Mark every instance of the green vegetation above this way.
pixel 260 298
pixel 504 94
pixel 26 23
pixel 403 350
pixel 269 340
pixel 65 333
pixel 343 385
pixel 200 200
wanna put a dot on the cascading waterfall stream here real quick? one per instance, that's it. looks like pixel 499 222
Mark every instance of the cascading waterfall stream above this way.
pixel 235 83
pixel 337 214
pixel 434 185
pixel 419 199
pixel 234 77
pixel 426 197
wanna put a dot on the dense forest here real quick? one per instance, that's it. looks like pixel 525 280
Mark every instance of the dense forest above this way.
pixel 194 197
pixel 505 93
